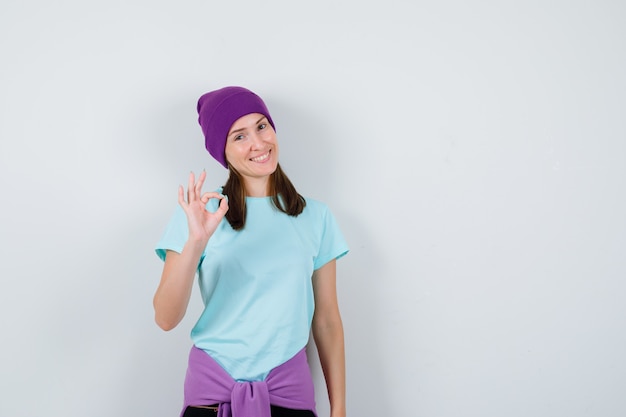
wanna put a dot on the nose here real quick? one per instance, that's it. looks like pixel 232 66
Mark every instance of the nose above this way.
pixel 256 140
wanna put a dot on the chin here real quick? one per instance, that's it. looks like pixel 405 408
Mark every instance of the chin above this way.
pixel 270 171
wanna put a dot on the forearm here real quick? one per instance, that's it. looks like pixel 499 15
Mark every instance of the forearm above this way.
pixel 329 340
pixel 172 296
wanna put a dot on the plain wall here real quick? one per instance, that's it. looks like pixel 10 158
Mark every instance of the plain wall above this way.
pixel 474 153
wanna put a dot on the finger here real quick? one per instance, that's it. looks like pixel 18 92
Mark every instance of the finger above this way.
pixel 209 195
pixel 223 207
pixel 181 196
pixel 200 183
pixel 190 187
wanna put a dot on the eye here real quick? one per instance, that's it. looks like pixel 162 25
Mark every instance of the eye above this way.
pixel 262 126
pixel 238 137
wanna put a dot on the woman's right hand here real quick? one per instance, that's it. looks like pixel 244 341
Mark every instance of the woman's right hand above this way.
pixel 202 223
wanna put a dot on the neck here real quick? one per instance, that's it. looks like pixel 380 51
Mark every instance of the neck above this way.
pixel 257 187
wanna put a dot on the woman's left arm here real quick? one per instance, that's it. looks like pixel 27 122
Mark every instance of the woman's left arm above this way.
pixel 328 334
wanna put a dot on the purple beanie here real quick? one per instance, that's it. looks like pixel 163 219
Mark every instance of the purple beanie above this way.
pixel 219 109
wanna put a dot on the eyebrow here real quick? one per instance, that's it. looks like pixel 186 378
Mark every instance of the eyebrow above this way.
pixel 244 128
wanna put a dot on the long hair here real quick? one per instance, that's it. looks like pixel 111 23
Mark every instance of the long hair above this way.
pixel 284 196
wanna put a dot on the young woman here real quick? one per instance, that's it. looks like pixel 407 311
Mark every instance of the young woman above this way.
pixel 265 258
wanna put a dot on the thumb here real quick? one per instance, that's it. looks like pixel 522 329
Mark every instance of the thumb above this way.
pixel 223 207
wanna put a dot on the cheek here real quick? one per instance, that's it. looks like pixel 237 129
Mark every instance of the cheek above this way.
pixel 232 149
pixel 271 138
pixel 274 142
pixel 231 154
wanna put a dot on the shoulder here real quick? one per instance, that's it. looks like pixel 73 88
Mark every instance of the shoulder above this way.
pixel 318 212
pixel 314 206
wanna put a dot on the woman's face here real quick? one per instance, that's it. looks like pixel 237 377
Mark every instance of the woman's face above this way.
pixel 251 146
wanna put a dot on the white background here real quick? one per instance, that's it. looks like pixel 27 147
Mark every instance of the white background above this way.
pixel 474 153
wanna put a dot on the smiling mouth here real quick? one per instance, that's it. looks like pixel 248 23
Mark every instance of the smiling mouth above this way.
pixel 261 158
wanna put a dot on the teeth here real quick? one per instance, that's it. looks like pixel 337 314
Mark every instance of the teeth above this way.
pixel 260 158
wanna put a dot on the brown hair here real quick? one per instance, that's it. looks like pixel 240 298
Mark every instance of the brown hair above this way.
pixel 284 196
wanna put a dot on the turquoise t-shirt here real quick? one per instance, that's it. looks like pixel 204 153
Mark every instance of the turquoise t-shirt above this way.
pixel 256 283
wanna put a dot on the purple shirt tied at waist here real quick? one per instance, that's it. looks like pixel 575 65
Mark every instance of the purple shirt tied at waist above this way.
pixel 289 385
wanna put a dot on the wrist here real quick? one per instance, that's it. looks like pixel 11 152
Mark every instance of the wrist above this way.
pixel 337 411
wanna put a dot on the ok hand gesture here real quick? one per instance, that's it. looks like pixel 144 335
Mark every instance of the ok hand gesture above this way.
pixel 202 223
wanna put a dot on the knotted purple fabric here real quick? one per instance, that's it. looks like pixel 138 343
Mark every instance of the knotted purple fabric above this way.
pixel 289 385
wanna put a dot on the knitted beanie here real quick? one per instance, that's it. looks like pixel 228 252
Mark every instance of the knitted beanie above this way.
pixel 219 109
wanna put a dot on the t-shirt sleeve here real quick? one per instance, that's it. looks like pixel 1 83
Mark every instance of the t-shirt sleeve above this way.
pixel 175 235
pixel 332 245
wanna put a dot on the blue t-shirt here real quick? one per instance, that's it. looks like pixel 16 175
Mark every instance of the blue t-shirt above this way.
pixel 256 283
